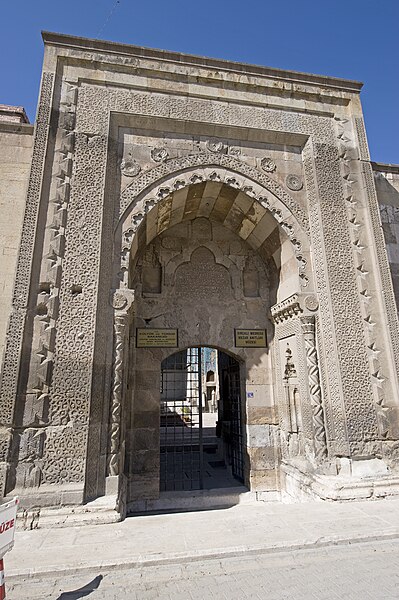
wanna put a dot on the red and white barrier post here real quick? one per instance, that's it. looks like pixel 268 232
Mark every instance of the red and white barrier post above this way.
pixel 8 516
pixel 2 581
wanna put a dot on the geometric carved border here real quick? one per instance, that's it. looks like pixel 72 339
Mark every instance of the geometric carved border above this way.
pixel 384 270
pixel 10 371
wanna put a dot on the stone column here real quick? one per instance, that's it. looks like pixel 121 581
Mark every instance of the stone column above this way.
pixel 116 480
pixel 115 460
pixel 309 334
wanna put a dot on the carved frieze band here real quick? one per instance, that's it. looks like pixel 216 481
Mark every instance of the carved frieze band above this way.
pixel 360 411
pixel 45 321
pixel 9 376
pixel 362 139
pixel 384 270
pixel 319 434
pixel 98 101
pixel 334 408
pixel 72 375
pixel 290 307
pixel 367 276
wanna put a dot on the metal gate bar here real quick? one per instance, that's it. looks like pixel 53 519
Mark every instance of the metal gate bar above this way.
pixel 183 465
pixel 181 441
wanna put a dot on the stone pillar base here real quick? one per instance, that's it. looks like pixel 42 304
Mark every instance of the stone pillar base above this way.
pixel 62 507
pixel 355 482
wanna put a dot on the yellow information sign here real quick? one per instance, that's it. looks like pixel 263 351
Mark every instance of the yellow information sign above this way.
pixel 250 338
pixel 156 338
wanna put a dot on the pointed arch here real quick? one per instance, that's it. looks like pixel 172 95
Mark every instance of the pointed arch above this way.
pixel 153 201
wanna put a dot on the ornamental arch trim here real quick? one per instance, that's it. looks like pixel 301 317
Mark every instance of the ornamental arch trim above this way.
pixel 159 184
pixel 206 160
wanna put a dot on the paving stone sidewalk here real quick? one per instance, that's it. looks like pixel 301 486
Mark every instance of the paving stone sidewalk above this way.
pixel 364 571
pixel 174 539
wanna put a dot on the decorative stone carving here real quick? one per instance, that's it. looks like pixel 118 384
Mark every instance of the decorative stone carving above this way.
pixel 388 295
pixel 159 154
pixel 97 101
pixel 88 236
pixel 202 159
pixel 308 330
pixel 289 368
pixel 64 455
pixel 348 326
pixel 234 151
pixel 215 146
pixel 121 301
pixel 233 181
pixel 361 136
pixel 15 329
pixel 130 167
pixel 268 164
pixel 334 409
pixel 290 330
pixel 288 308
pixel 294 182
pixel 311 303
pixel 117 394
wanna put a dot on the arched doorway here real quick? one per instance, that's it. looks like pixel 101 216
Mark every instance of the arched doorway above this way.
pixel 201 433
pixel 205 261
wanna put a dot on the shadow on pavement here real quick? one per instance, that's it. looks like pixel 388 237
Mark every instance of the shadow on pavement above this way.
pixel 83 591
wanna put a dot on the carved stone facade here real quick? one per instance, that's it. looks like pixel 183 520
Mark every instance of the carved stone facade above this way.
pixel 156 199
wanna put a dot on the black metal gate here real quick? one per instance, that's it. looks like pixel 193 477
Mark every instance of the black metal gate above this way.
pixel 230 394
pixel 189 452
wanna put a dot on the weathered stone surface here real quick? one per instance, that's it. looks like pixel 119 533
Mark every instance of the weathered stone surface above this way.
pixel 205 214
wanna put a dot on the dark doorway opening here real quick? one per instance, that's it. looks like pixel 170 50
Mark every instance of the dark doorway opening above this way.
pixel 201 421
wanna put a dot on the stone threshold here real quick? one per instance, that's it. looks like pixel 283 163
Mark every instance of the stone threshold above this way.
pixel 181 501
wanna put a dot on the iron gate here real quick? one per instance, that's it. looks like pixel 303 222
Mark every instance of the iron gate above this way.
pixel 230 393
pixel 182 443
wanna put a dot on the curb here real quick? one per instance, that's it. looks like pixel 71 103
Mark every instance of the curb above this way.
pixel 189 557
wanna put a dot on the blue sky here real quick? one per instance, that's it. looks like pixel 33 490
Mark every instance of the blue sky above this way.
pixel 355 39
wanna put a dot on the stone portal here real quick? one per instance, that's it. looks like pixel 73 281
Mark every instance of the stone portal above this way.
pixel 221 206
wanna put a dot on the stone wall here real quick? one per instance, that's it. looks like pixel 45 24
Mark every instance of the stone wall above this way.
pixel 16 152
pixel 386 178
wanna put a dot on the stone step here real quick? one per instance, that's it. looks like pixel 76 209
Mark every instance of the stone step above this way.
pixel 182 501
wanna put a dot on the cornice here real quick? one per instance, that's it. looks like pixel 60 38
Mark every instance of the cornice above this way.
pixel 293 77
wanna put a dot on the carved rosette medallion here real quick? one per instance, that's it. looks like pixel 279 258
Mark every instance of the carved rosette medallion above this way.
pixel 159 154
pixel 268 164
pixel 311 303
pixel 119 301
pixel 130 167
pixel 294 183
pixel 215 146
